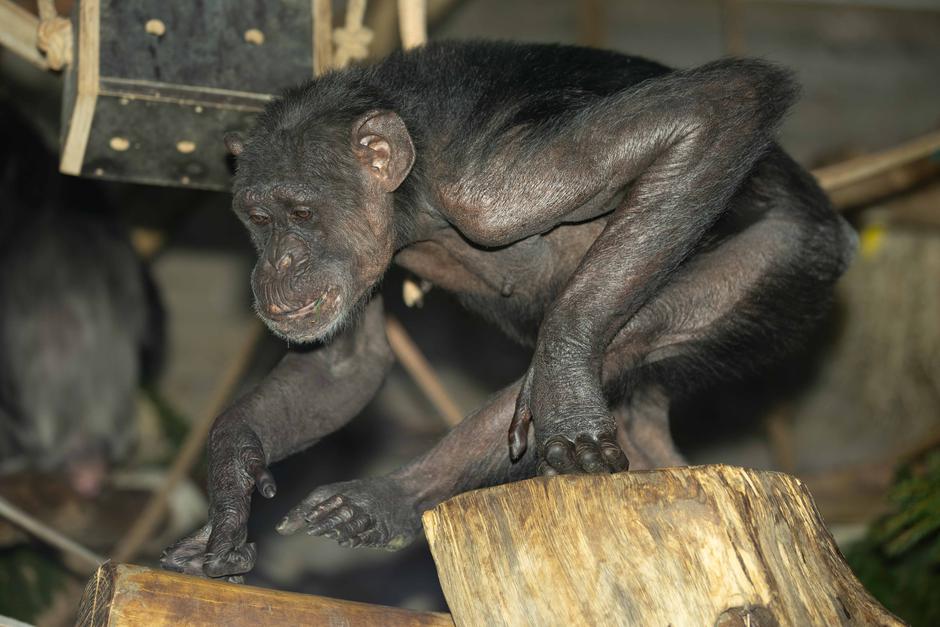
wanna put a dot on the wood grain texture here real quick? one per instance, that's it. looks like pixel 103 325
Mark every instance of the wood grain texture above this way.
pixel 122 594
pixel 695 546
pixel 81 86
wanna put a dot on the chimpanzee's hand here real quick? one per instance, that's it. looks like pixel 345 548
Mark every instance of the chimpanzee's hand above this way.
pixel 574 431
pixel 236 467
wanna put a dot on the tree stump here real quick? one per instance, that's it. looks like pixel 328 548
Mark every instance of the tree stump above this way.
pixel 125 595
pixel 708 545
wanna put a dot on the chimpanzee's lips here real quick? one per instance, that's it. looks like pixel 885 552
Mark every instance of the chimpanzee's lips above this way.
pixel 308 322
pixel 311 307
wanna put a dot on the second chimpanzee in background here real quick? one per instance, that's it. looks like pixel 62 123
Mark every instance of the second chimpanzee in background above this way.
pixel 80 322
pixel 637 226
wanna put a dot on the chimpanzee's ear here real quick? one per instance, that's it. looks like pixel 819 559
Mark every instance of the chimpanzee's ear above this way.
pixel 234 143
pixel 383 146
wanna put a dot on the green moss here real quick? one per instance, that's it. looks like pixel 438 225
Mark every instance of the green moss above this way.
pixel 29 578
pixel 899 559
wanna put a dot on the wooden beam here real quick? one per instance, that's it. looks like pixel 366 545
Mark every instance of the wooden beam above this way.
pixel 421 372
pixel 322 37
pixel 413 22
pixel 125 595
pixel 18 28
pixel 79 126
pixel 854 171
pixel 706 545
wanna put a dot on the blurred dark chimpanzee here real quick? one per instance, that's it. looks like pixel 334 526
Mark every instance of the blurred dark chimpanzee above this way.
pixel 637 226
pixel 80 323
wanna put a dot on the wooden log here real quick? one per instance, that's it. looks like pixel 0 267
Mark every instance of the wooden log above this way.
pixel 707 545
pixel 122 594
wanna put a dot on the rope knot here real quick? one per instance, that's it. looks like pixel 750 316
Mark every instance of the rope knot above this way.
pixel 54 36
pixel 352 43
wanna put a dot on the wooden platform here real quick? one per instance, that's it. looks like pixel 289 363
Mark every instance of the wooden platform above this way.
pixel 699 546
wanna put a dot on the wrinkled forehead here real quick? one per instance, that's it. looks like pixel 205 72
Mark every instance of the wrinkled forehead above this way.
pixel 278 190
pixel 288 166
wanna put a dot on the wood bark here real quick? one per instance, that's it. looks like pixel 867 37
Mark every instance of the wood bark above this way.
pixel 122 594
pixel 708 545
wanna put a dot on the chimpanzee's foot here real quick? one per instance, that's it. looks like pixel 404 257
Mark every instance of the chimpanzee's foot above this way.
pixel 375 512
pixel 572 435
pixel 577 447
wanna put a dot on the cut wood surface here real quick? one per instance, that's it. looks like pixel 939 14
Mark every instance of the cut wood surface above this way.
pixel 706 545
pixel 122 594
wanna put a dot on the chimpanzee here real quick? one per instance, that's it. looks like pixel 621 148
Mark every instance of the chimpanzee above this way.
pixel 637 226
pixel 80 321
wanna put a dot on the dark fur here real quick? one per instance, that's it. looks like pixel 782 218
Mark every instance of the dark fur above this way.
pixel 80 323
pixel 638 226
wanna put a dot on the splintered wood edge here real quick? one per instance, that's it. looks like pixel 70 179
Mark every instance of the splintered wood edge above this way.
pixel 468 560
pixel 96 599
pixel 125 594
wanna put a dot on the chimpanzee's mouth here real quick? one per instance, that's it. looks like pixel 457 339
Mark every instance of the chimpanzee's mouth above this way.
pixel 308 322
pixel 312 307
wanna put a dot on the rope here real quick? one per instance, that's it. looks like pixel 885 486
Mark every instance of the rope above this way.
pixel 352 41
pixel 54 37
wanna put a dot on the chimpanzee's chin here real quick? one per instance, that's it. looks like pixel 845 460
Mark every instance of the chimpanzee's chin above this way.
pixel 316 321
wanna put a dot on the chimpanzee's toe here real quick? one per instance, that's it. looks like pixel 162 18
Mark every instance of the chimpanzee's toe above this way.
pixel 589 453
pixel 371 512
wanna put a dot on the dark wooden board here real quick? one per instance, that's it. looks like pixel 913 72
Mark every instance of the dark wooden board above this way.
pixel 152 106
pixel 204 43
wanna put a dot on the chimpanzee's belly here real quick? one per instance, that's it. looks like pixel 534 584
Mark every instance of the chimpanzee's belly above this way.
pixel 511 286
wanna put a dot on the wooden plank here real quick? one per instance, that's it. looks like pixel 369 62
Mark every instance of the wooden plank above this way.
pixel 126 595
pixel 322 36
pixel 854 171
pixel 85 89
pixel 18 32
pixel 703 545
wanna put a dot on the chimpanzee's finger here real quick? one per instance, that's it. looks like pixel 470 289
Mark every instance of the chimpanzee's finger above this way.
pixel 354 527
pixel 545 470
pixel 187 554
pixel 371 537
pixel 264 481
pixel 559 453
pixel 311 508
pixel 519 427
pixel 589 457
pixel 235 561
pixel 226 551
pixel 324 524
pixel 613 455
pixel 519 433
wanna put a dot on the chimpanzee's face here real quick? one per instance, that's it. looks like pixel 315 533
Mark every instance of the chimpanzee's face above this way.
pixel 318 257
pixel 318 206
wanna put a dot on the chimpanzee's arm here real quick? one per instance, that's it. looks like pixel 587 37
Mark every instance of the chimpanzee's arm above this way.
pixel 307 396
pixel 312 394
pixel 669 154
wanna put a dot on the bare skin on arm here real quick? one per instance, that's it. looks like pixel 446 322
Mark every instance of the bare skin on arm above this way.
pixel 637 226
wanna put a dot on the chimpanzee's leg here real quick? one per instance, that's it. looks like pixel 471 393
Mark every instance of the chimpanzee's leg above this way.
pixel 728 311
pixel 386 511
pixel 685 144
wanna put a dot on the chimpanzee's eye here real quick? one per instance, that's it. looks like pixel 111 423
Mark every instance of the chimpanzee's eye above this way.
pixel 256 217
pixel 301 214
